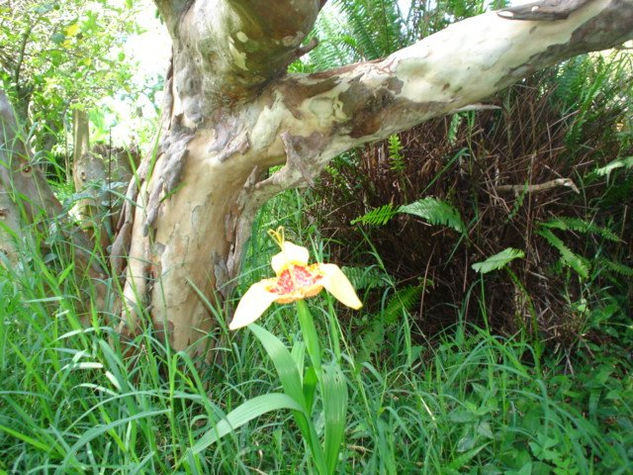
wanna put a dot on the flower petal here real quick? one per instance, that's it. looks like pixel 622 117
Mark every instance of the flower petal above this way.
pixel 290 254
pixel 339 285
pixel 252 304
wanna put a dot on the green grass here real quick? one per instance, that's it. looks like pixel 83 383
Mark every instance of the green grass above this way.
pixel 466 402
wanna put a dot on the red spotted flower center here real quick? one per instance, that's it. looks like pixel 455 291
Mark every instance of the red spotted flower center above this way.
pixel 296 282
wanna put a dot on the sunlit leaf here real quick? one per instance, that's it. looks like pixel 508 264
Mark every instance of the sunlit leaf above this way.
pixel 436 212
pixel 498 261
pixel 72 30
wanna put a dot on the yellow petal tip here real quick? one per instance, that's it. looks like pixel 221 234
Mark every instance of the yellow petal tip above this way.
pixel 252 305
pixel 337 283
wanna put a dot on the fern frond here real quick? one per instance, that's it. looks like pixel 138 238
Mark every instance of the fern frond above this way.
pixel 336 47
pixel 453 127
pixel 498 261
pixel 396 160
pixel 565 223
pixel 568 257
pixel 377 25
pixel 609 167
pixel 616 267
pixel 357 16
pixel 436 212
pixel 377 216
pixel 403 300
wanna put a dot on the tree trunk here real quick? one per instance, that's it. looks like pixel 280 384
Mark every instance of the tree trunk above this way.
pixel 99 175
pixel 26 201
pixel 231 112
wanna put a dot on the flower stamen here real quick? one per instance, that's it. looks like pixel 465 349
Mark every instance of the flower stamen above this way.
pixel 277 235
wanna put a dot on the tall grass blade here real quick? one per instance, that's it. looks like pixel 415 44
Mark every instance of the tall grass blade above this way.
pixel 244 413
pixel 335 411
pixel 100 430
pixel 283 362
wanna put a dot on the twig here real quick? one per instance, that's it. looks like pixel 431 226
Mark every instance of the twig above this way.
pixel 548 185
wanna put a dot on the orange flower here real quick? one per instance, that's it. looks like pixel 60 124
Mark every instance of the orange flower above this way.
pixel 296 279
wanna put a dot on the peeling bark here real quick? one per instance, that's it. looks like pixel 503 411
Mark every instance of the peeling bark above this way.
pixel 232 112
pixel 545 10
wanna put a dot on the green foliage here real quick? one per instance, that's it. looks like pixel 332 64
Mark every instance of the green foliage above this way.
pixel 586 88
pixel 567 256
pixel 614 165
pixel 367 277
pixel 244 413
pixel 55 57
pixel 581 265
pixel 378 216
pixel 396 159
pixel 566 223
pixel 616 267
pixel 73 400
pixel 437 212
pixel 336 49
pixel 498 261
pixel 400 303
pixel 403 300
pixel 376 25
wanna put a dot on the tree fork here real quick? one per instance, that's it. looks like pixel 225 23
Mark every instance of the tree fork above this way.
pixel 232 112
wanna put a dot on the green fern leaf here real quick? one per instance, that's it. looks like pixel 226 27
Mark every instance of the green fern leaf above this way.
pixel 396 160
pixel 376 24
pixel 436 212
pixel 609 167
pixel 568 257
pixel 403 300
pixel 453 128
pixel 565 223
pixel 367 277
pixel 377 216
pixel 616 267
pixel 498 261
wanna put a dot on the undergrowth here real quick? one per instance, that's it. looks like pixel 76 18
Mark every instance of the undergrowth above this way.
pixel 548 172
pixel 469 401
pixel 72 399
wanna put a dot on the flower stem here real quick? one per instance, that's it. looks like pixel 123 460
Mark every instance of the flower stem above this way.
pixel 310 336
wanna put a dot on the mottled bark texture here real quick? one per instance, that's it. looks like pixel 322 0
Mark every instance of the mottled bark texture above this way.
pixel 231 112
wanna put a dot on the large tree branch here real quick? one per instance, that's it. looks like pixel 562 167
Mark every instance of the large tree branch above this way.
pixel 543 10
pixel 233 114
pixel 462 64
pixel 171 11
pixel 306 120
